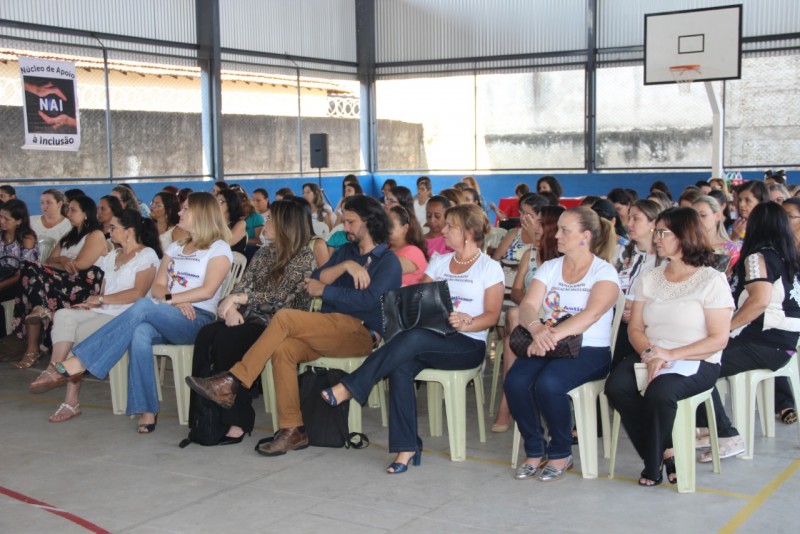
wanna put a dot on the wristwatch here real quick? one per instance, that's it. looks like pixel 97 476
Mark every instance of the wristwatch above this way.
pixel 168 298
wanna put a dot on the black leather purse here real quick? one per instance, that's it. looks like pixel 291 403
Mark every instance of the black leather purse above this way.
pixel 569 347
pixel 260 313
pixel 425 306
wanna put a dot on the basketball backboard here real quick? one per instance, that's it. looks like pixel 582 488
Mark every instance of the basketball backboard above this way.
pixel 710 38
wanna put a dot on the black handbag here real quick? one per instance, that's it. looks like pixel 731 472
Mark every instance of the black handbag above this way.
pixel 260 313
pixel 425 306
pixel 9 266
pixel 569 347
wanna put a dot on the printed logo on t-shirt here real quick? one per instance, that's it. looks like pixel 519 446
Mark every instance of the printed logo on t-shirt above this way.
pixel 174 277
pixel 458 300
pixel 795 292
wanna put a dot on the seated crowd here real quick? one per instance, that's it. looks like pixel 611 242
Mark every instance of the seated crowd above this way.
pixel 711 287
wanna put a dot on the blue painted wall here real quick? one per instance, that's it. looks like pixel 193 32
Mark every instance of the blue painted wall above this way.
pixel 493 186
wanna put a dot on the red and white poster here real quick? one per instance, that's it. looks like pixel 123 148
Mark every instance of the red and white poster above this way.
pixel 50 105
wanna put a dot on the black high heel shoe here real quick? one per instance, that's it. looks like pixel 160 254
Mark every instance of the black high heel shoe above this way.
pixel 669 467
pixel 147 428
pixel 397 467
pixel 655 482
pixel 227 440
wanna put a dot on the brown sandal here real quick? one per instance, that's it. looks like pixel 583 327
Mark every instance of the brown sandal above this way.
pixel 28 360
pixel 65 412
pixel 47 380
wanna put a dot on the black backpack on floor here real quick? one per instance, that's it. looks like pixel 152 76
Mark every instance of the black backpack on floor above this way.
pixel 326 425
pixel 205 416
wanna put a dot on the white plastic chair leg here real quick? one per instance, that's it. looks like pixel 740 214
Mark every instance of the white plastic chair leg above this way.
pixel 515 446
pixel 683 439
pixel 268 389
pixel 497 367
pixel 586 422
pixel 118 380
pixel 435 393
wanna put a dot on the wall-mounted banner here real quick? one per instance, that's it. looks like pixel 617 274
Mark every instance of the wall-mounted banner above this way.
pixel 51 105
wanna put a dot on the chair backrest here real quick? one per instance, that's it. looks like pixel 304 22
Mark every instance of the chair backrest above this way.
pixel 494 238
pixel 337 228
pixel 618 309
pixel 45 246
pixel 321 229
pixel 235 274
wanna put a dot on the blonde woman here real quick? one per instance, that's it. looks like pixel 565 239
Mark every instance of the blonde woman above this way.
pixel 713 221
pixel 185 294
pixel 53 222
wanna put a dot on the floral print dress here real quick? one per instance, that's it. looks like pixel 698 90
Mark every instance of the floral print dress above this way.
pixel 52 289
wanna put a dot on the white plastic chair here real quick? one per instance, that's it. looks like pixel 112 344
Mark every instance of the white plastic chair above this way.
pixel 45 246
pixel 759 384
pixel 8 310
pixel 683 440
pixel 321 229
pixel 584 405
pixel 454 386
pixel 494 238
pixel 180 355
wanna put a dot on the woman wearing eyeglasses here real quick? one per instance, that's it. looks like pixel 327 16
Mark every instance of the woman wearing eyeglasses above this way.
pixel 680 322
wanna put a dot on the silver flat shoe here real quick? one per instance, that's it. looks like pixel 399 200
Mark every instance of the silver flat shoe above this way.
pixel 529 471
pixel 551 474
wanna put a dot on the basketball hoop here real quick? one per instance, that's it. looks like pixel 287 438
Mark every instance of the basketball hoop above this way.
pixel 684 75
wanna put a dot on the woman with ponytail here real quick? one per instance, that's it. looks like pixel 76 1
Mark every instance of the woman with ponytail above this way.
pixel 580 289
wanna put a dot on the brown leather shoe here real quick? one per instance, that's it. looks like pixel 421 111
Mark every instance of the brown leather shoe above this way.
pixel 221 388
pixel 286 439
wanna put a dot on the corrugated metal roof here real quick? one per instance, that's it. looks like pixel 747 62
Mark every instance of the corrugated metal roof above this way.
pixel 621 22
pixel 324 29
pixel 166 20
pixel 414 30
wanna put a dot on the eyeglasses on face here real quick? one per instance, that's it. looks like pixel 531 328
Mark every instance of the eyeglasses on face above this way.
pixel 659 233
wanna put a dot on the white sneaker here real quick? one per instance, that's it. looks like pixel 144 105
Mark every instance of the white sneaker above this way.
pixel 733 446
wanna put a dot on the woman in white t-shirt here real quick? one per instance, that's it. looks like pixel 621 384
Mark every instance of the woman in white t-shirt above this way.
pixel 184 299
pixel 586 287
pixel 129 273
pixel 680 322
pixel 53 222
pixel 476 287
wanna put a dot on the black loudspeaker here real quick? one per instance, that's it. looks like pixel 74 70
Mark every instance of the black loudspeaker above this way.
pixel 319 150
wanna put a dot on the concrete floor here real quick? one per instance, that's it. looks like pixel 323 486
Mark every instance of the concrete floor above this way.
pixel 95 473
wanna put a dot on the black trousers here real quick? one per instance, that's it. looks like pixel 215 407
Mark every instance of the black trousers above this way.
pixel 224 346
pixel 648 419
pixel 740 356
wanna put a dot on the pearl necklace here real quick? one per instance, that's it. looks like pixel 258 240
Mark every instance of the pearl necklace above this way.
pixel 467 262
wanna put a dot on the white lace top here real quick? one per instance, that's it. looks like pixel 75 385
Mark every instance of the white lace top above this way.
pixel 674 312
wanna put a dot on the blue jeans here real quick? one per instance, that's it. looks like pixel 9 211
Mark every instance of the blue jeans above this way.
pixel 401 360
pixel 537 387
pixel 136 330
